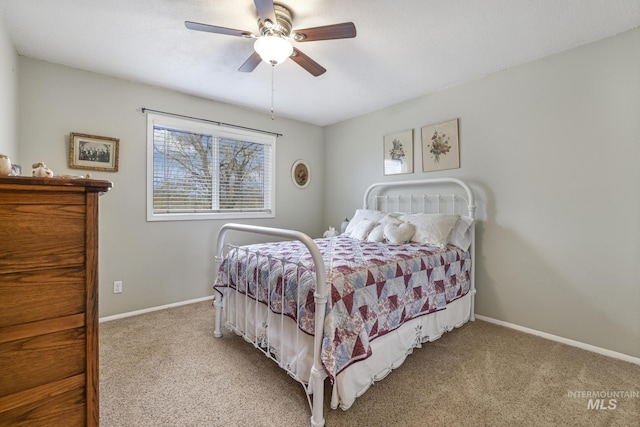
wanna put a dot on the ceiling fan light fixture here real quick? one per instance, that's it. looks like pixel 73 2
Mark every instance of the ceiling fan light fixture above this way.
pixel 273 49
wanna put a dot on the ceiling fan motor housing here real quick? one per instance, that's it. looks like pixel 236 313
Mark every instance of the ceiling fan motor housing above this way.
pixel 282 27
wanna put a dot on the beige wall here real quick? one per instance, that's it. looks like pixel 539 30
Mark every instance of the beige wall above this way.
pixel 552 149
pixel 159 262
pixel 8 97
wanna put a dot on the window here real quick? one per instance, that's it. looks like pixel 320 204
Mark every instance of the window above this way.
pixel 197 170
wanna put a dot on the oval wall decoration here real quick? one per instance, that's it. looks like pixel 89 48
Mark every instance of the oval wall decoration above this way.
pixel 300 174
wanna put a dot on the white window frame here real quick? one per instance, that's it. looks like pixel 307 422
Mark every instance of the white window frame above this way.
pixel 205 128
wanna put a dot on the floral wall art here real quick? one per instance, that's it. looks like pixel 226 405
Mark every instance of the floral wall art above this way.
pixel 440 146
pixel 398 152
pixel 300 174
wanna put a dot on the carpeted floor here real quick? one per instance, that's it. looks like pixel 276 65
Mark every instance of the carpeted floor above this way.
pixel 165 369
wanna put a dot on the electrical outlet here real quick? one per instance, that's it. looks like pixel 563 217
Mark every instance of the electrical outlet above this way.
pixel 117 287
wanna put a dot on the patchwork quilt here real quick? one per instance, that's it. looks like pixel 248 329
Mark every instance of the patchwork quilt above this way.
pixel 373 287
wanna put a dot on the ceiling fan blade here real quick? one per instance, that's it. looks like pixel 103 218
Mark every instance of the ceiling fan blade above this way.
pixel 251 63
pixel 346 30
pixel 218 30
pixel 307 63
pixel 266 10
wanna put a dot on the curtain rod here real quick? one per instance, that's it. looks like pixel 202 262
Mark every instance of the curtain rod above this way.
pixel 213 121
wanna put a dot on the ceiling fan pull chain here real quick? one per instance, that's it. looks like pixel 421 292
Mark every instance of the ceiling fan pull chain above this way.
pixel 273 66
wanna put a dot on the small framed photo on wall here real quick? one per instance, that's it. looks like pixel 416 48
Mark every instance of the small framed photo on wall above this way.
pixel 398 152
pixel 440 146
pixel 99 153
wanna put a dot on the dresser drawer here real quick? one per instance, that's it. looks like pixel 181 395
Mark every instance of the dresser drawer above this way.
pixel 31 362
pixel 41 294
pixel 65 409
pixel 41 236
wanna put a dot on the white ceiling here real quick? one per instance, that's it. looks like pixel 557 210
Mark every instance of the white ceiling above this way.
pixel 403 48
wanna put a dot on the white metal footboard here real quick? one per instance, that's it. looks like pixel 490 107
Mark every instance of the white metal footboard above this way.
pixel 315 385
pixel 428 203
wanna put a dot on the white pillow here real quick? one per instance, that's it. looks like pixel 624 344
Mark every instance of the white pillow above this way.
pixel 397 234
pixel 361 214
pixel 377 234
pixel 431 229
pixel 362 229
pixel 391 218
pixel 461 234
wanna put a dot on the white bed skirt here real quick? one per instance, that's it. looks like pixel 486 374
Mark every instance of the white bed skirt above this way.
pixel 390 350
pixel 293 349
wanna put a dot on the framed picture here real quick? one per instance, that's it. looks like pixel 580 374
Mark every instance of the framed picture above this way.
pixel 398 152
pixel 300 174
pixel 440 146
pixel 93 152
pixel 16 170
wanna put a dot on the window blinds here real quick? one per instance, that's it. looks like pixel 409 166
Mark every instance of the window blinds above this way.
pixel 211 172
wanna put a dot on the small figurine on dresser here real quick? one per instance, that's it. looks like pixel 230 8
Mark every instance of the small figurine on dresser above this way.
pixel 5 165
pixel 41 170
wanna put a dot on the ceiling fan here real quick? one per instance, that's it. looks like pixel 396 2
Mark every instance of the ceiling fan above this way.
pixel 273 45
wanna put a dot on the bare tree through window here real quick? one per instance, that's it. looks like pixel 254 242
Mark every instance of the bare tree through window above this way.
pixel 195 172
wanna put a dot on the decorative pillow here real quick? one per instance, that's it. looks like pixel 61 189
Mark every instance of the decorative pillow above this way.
pixel 361 214
pixel 397 234
pixel 377 234
pixel 362 229
pixel 461 234
pixel 431 229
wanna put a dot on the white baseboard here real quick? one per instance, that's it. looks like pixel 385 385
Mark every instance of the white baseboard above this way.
pixel 149 310
pixel 551 337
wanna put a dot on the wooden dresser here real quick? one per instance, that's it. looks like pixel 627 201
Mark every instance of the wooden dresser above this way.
pixel 49 301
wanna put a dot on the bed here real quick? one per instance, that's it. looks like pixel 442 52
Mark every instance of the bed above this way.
pixel 352 307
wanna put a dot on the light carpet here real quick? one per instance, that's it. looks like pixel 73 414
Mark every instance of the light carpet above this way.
pixel 165 368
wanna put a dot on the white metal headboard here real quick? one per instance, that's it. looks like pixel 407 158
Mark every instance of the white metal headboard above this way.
pixel 441 203
pixel 469 201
